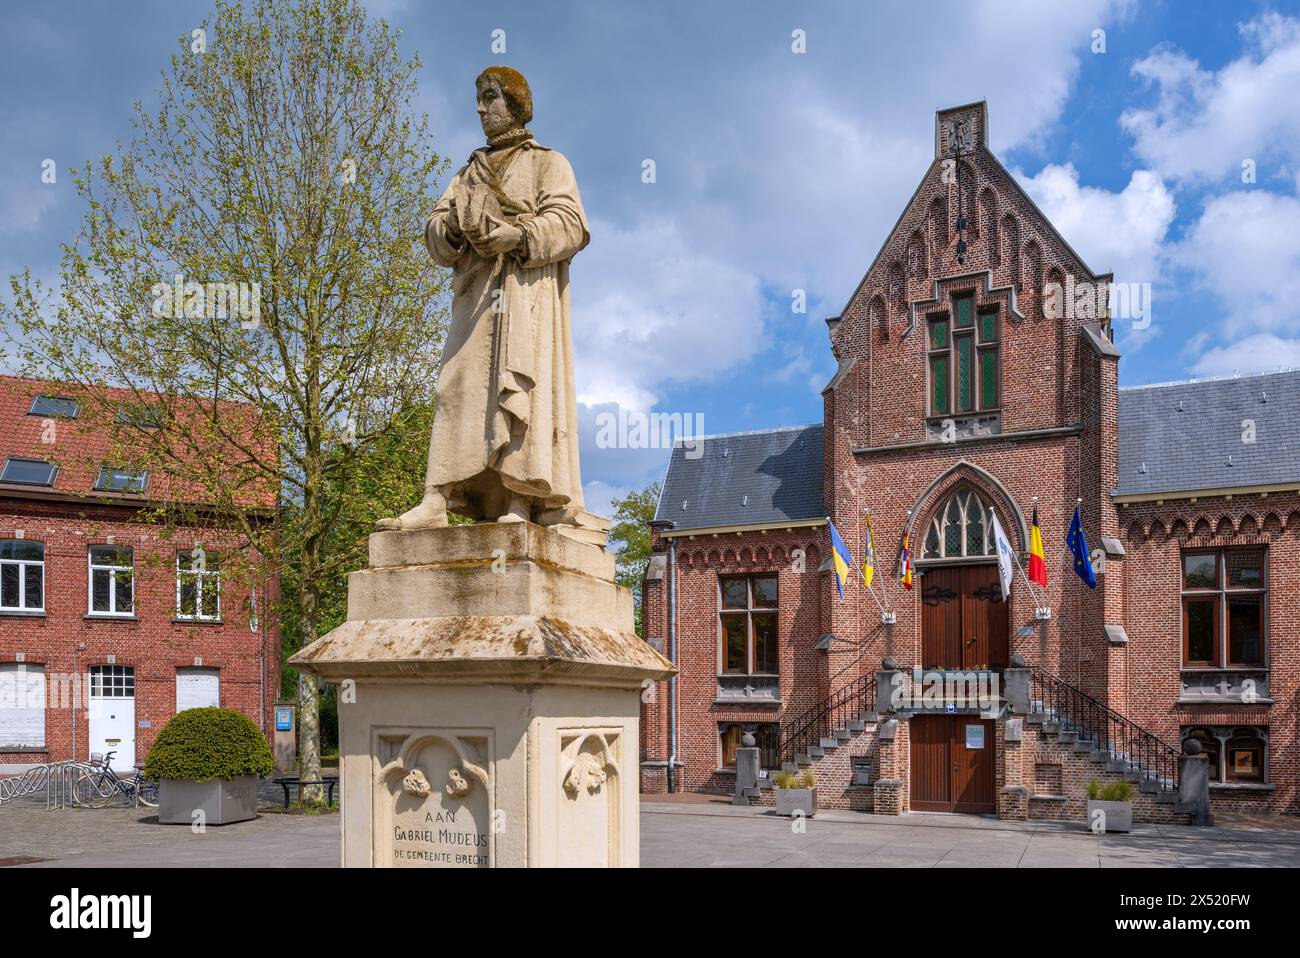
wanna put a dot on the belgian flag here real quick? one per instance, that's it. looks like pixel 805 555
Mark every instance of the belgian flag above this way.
pixel 1037 561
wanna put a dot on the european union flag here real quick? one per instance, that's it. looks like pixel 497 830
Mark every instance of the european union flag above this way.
pixel 1078 546
pixel 841 558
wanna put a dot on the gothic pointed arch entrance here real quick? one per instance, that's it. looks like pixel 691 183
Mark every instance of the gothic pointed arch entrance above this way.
pixel 964 621
pixel 965 627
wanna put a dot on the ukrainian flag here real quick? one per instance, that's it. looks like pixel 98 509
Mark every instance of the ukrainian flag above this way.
pixel 841 558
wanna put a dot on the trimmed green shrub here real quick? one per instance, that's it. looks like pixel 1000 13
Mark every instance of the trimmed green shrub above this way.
pixel 207 743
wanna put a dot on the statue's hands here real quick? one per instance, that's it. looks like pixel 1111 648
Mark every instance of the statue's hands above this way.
pixel 500 239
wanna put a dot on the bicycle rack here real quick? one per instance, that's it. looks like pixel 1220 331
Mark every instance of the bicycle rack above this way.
pixel 58 779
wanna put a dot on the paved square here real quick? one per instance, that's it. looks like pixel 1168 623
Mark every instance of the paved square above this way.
pixel 696 834
pixel 703 835
pixel 132 838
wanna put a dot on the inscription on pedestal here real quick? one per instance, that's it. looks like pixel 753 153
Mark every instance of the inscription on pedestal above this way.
pixel 434 803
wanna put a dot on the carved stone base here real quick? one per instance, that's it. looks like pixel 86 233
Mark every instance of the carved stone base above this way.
pixel 489 696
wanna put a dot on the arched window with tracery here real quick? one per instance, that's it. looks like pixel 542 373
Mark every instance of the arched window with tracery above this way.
pixel 960 529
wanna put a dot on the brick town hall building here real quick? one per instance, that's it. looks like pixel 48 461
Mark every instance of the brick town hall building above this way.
pixel 962 391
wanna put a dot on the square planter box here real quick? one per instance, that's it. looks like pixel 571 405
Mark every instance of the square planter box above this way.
pixel 222 802
pixel 1118 815
pixel 791 800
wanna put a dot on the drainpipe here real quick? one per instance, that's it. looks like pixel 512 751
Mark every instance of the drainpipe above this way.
pixel 261 679
pixel 672 657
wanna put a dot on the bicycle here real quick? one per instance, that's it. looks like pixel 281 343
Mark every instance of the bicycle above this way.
pixel 99 786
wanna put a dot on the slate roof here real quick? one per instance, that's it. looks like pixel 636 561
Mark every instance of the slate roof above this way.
pixel 1201 447
pixel 747 478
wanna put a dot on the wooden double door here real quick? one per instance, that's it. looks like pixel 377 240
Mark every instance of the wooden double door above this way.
pixel 963 618
pixel 953 764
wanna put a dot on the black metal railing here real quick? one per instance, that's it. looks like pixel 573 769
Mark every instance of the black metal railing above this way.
pixel 1107 729
pixel 808 728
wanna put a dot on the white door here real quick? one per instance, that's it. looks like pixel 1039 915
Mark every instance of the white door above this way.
pixel 112 714
pixel 197 688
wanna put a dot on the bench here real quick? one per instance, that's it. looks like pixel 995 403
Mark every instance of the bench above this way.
pixel 293 781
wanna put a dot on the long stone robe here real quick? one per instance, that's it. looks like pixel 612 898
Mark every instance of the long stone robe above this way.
pixel 506 418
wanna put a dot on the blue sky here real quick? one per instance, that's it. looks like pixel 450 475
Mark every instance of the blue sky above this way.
pixel 778 171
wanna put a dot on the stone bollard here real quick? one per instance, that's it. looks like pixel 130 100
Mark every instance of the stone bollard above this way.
pixel 1194 783
pixel 746 771
pixel 1015 679
pixel 888 679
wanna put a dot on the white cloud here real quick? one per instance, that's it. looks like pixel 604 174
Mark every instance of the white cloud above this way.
pixel 1244 250
pixel 1123 231
pixel 785 174
pixel 648 310
pixel 597 497
pixel 1261 352
pixel 1205 123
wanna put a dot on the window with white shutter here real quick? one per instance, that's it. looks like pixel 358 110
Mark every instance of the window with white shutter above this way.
pixel 197 688
pixel 22 705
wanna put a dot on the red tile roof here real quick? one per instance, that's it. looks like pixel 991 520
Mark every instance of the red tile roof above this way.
pixel 80 446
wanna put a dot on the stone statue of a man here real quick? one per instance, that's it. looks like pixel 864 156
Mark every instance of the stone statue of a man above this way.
pixel 505 429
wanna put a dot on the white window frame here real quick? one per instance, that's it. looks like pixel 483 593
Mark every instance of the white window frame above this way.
pixel 112 570
pixel 54 472
pixel 200 575
pixel 22 565
pixel 112 681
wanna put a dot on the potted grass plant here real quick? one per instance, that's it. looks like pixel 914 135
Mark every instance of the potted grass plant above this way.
pixel 207 760
pixel 1110 806
pixel 796 794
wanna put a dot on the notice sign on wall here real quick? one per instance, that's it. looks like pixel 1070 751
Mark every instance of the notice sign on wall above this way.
pixel 975 736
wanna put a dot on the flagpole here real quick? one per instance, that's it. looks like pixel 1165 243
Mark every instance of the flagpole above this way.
pixel 1041 599
pixel 870 545
pixel 1016 559
pixel 893 586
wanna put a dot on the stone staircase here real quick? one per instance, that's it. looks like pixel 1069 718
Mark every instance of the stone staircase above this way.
pixel 825 739
pixel 1081 742
pixel 1092 741
pixel 1080 756
pixel 841 734
pixel 1063 730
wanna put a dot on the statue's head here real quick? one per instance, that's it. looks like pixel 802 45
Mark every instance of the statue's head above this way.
pixel 504 100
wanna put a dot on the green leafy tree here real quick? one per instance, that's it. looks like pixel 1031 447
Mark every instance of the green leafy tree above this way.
pixel 629 534
pixel 282 160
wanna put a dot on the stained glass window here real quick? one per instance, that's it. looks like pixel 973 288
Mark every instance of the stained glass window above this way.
pixel 959 529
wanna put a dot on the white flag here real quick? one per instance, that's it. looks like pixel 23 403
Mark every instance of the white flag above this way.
pixel 1006 560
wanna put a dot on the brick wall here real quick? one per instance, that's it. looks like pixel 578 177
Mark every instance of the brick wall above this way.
pixel 1155 536
pixel 801 589
pixel 66 641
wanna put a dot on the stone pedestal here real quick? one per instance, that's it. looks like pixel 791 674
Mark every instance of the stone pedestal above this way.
pixel 489 699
